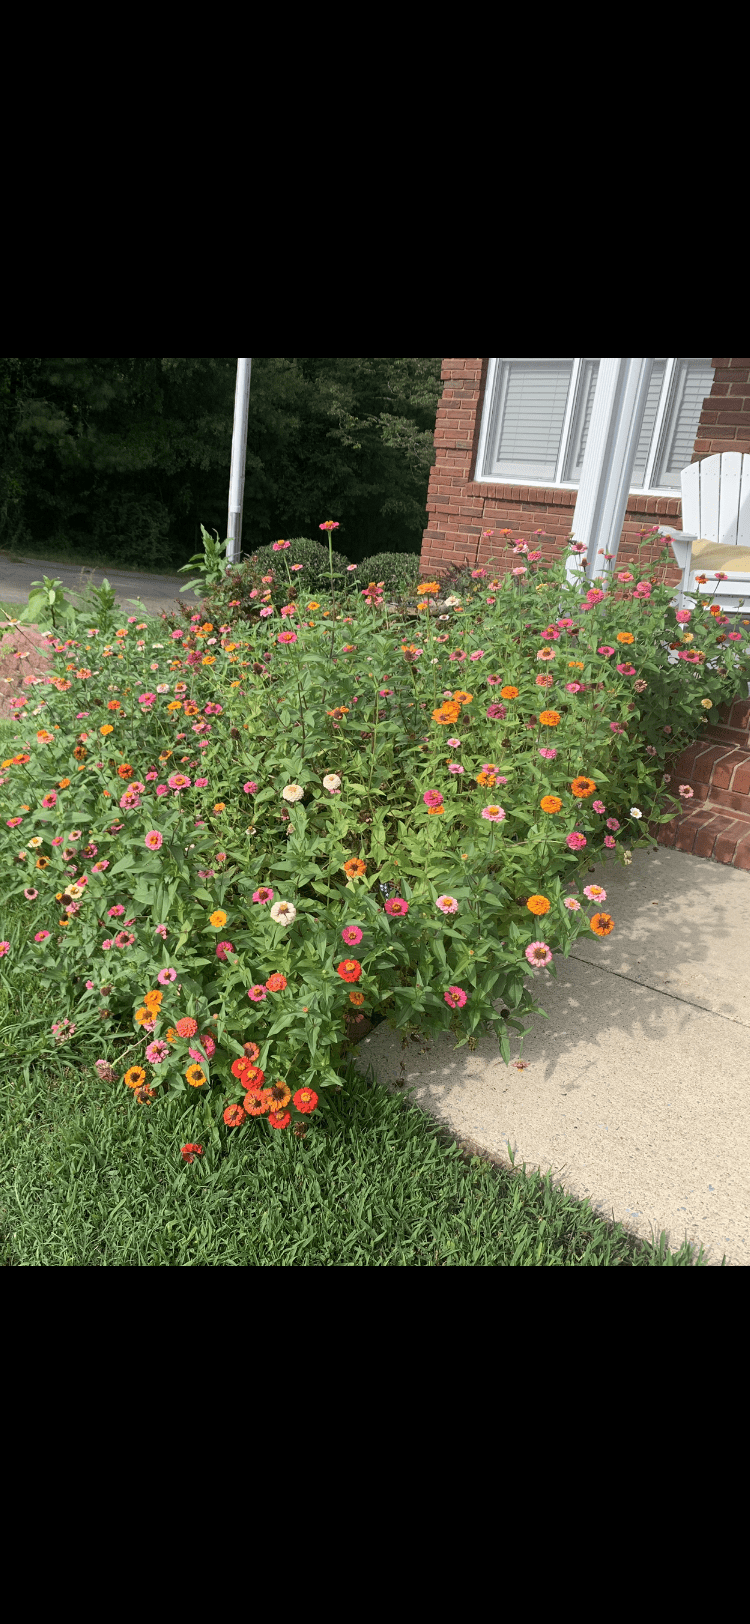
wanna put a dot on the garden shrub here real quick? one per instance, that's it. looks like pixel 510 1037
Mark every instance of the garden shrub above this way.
pixel 229 837
pixel 397 571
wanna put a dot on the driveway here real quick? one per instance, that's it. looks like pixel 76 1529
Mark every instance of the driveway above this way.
pixel 156 592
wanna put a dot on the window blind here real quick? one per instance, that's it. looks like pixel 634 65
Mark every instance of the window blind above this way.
pixel 692 382
pixel 649 419
pixel 580 430
pixel 530 410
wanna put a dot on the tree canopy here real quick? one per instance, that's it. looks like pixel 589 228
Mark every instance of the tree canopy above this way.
pixel 127 456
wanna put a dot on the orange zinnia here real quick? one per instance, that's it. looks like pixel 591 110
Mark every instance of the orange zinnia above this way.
pixel 355 868
pixel 550 803
pixel 602 924
pixel 134 1076
pixel 461 697
pixel 258 1104
pixel 428 586
pixel 582 787
pixel 538 905
pixel 509 693
pixel 549 718
pixel 625 637
pixel 125 771
pixel 356 998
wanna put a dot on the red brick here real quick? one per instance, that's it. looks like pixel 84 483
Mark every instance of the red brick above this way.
pixel 742 853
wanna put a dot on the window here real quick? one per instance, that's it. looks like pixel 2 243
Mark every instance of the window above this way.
pixel 537 412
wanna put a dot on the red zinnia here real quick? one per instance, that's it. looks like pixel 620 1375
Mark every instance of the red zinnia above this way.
pixel 305 1100
pixel 189 1152
pixel 250 1077
pixel 276 982
pixel 234 1115
pixel 279 1119
pixel 349 969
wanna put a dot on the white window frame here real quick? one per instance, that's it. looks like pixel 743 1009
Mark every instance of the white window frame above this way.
pixel 656 448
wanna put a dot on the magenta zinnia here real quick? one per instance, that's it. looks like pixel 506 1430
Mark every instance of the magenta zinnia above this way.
pixel 456 997
pixel 538 954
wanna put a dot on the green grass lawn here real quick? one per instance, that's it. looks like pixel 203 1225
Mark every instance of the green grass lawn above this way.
pixel 90 1179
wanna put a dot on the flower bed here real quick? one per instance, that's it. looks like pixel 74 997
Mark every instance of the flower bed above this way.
pixel 232 838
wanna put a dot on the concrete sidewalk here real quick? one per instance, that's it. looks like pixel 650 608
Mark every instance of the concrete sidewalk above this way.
pixel 637 1092
pixel 156 592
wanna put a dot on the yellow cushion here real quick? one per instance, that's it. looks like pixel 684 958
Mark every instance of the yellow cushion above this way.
pixel 713 555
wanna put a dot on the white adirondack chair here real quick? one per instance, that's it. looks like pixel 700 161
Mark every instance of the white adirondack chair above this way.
pixel 716 536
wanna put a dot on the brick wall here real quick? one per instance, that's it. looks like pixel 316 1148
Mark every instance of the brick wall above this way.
pixel 460 507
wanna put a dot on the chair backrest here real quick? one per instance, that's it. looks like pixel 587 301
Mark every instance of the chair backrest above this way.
pixel 716 498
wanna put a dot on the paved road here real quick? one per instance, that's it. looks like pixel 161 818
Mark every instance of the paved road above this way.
pixel 156 592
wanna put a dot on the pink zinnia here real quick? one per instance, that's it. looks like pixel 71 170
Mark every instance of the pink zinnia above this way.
pixel 50 800
pixel 574 688
pixel 222 948
pixel 250 787
pixel 41 936
pixel 263 894
pixel 130 800
pixel 154 840
pixel 31 895
pixel 161 789
pixel 609 840
pixel 447 905
pixel 396 905
pixel 458 655
pixel 114 913
pixel 575 841
pixel 287 637
pixel 685 791
pixel 520 569
pixel 213 710
pixel 256 994
pixel 456 997
pixel 178 781
pixel 683 616
pixel 156 1052
pixel 161 930
pixel 546 654
pixel 595 893
pixel 566 623
pixel 496 713
pixel 615 727
pixel 478 655
pixel 599 806
pixel 165 976
pixel 594 595
pixel 538 954
pixel 494 682
pixel 201 783
pixel 454 743
pixel 605 650
pixel 146 699
pixel 494 814
pixel 626 670
pixel 455 767
pixel 432 797
pixel 265 612
pixel 548 753
pixel 351 934
pixel 106 945
pixel 572 904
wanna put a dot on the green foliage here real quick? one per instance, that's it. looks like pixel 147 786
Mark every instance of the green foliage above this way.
pixel 265 786
pixel 129 456
pixel 208 569
pixel 397 571
pixel 312 555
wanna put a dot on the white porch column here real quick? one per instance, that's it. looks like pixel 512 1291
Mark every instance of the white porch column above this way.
pixel 614 430
pixel 239 452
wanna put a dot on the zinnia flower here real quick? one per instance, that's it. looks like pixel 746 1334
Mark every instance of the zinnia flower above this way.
pixel 493 814
pixel 293 792
pixel 332 783
pixel 349 969
pixel 356 998
pixel 454 767
pixel 218 918
pixel 195 1076
pixel 234 1115
pixel 538 954
pixel 549 755
pixel 549 718
pixel 305 1100
pixel 550 803
pixel 134 1076
pixel 447 905
pixel 496 713
pixel 432 797
pixel 595 893
pixel 576 841
pixel 283 913
pixel 602 924
pixel 396 905
pixel 538 904
pixel 583 787
pixel 355 868
pixel 599 806
pixel 165 976
pixel 685 791
pixel 153 840
pixel 455 997
pixel 635 812
pixel 256 994
pixel 189 1152
pixel 187 1027
pixel 278 1119
pixel 276 982
pixel 352 935
pixel 572 904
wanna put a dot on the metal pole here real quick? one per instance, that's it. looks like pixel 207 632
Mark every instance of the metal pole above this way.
pixel 239 452
pixel 614 430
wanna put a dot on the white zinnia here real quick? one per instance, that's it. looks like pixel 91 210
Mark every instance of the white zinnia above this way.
pixel 293 792
pixel 451 602
pixel 332 781
pixel 635 812
pixel 284 913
